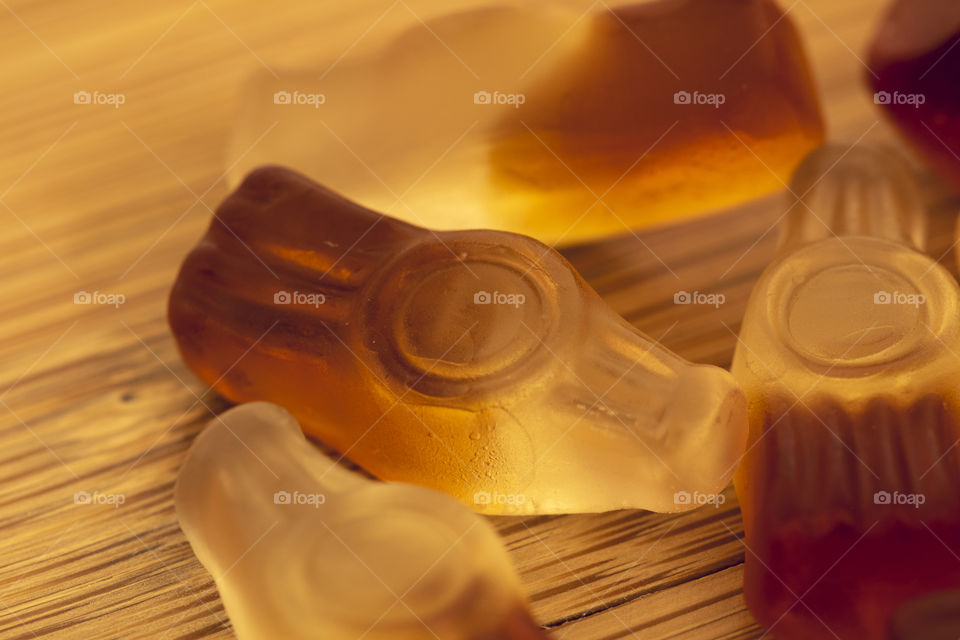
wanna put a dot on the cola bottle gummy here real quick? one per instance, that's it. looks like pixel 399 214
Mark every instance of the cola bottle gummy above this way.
pixel 475 362
pixel 562 120
pixel 850 487
pixel 301 547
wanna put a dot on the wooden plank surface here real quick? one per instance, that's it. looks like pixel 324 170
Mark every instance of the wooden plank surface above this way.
pixel 94 397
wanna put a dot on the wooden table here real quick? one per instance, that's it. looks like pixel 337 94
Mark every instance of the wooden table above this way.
pixel 94 397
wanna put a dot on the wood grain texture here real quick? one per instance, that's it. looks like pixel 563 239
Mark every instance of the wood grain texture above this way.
pixel 95 398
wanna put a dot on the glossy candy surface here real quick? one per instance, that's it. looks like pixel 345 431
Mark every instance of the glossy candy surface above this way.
pixel 474 362
pixel 850 488
pixel 302 548
pixel 562 120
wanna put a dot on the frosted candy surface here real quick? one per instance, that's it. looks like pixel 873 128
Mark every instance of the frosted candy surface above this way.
pixel 848 357
pixel 302 548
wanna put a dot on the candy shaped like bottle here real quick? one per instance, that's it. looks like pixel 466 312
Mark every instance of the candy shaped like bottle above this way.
pixel 849 355
pixel 302 548
pixel 560 119
pixel 474 362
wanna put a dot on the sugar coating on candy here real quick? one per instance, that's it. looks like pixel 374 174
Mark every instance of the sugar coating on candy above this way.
pixel 563 121
pixel 302 548
pixel 478 363
pixel 870 191
pixel 850 487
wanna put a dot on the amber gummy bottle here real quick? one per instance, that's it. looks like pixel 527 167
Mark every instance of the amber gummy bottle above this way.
pixel 561 119
pixel 478 363
pixel 850 488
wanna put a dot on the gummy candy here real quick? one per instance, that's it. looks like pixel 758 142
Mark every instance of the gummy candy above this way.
pixel 670 108
pixel 871 191
pixel 474 362
pixel 915 62
pixel 302 548
pixel 850 487
pixel 563 120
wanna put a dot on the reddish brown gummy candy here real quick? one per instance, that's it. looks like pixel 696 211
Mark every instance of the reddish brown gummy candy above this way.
pixel 915 57
pixel 821 527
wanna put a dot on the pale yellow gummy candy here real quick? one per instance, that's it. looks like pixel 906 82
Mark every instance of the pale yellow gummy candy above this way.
pixel 862 190
pixel 302 548
pixel 850 307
